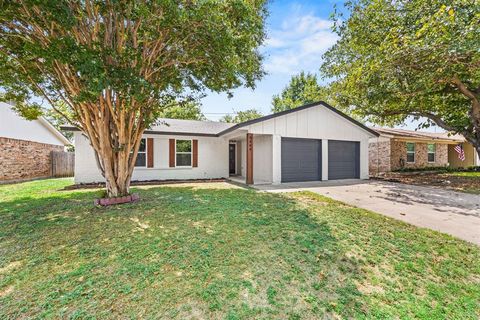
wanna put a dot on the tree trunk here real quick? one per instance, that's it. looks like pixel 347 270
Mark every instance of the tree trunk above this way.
pixel 118 179
pixel 114 128
pixel 115 135
pixel 475 120
pixel 477 148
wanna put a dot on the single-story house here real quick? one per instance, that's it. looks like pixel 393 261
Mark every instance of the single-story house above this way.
pixel 25 146
pixel 310 143
pixel 395 149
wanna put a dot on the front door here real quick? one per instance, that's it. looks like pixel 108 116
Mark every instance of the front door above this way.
pixel 231 158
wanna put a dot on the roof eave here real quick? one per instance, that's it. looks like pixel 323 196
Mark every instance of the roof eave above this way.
pixel 427 140
pixel 54 130
pixel 261 119
pixel 310 105
pixel 154 132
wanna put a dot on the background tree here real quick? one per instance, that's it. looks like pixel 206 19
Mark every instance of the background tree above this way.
pixel 115 64
pixel 406 58
pixel 228 118
pixel 57 120
pixel 187 110
pixel 242 116
pixel 302 89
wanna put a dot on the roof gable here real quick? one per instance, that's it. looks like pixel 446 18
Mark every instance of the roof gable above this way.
pixel 311 105
pixel 217 129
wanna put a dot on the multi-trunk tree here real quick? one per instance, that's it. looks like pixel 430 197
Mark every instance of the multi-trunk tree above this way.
pixel 115 65
pixel 403 58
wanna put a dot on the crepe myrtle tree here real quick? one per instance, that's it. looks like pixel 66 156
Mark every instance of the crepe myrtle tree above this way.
pixel 401 58
pixel 116 64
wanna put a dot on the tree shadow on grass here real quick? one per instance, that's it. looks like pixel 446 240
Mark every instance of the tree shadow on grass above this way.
pixel 178 252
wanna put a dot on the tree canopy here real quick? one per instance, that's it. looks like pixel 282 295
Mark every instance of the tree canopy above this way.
pixel 115 64
pixel 242 116
pixel 403 58
pixel 186 110
pixel 302 89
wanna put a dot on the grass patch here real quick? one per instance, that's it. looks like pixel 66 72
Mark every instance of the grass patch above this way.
pixel 467 174
pixel 467 180
pixel 213 251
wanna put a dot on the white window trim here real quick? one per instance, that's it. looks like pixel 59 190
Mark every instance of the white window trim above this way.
pixel 434 153
pixel 414 149
pixel 191 153
pixel 146 160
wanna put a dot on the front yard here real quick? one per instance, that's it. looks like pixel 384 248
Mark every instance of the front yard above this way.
pixel 206 251
pixel 463 181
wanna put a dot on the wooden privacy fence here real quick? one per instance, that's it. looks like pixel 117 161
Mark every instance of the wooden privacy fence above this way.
pixel 62 163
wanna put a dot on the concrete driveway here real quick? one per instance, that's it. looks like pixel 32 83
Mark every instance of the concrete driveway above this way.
pixel 451 212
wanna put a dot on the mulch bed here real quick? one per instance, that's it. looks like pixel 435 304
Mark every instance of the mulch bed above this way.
pixel 141 183
pixel 440 179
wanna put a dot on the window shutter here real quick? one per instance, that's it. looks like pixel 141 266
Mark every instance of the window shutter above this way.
pixel 172 153
pixel 195 153
pixel 149 152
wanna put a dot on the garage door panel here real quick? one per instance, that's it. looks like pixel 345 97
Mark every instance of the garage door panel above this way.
pixel 301 160
pixel 343 160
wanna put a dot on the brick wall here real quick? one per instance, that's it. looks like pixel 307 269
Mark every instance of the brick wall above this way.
pixel 23 160
pixel 379 156
pixel 399 151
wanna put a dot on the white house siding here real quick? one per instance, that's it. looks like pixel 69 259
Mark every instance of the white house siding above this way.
pixel 313 123
pixel 212 161
pixel 14 126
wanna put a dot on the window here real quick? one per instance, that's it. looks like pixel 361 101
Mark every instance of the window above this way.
pixel 410 152
pixel 431 152
pixel 142 154
pixel 183 153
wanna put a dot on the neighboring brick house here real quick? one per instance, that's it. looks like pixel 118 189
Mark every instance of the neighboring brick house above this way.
pixel 395 149
pixel 25 146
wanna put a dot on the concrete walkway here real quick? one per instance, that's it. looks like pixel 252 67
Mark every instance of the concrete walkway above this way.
pixel 446 211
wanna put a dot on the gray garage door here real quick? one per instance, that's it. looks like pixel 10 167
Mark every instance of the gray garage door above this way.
pixel 343 160
pixel 301 160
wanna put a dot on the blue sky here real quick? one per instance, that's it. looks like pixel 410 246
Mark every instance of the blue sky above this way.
pixel 298 33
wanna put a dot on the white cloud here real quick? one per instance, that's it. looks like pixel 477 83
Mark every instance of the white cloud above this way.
pixel 298 43
pixel 274 43
pixel 306 24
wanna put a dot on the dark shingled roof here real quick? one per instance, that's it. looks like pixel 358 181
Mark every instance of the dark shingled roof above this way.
pixel 401 133
pixel 194 127
pixel 216 129
pixel 181 127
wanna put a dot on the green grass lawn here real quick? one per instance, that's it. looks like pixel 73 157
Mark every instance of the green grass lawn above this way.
pixel 213 251
pixel 468 174
pixel 468 181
